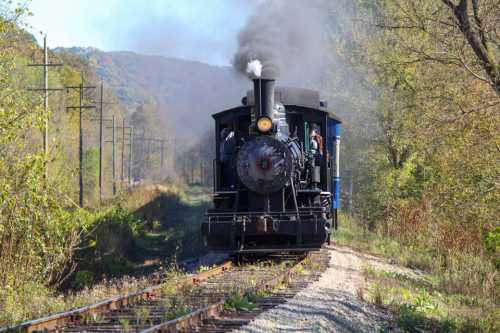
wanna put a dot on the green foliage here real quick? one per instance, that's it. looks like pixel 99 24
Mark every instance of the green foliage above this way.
pixel 107 249
pixel 115 233
pixel 176 312
pixel 411 319
pixel 125 323
pixel 376 294
pixel 254 296
pixel 83 279
pixel 147 123
pixel 492 243
pixel 238 302
pixel 444 301
pixel 38 228
pixel 179 214
pixel 41 227
pixel 426 186
pixel 142 315
pixel 423 302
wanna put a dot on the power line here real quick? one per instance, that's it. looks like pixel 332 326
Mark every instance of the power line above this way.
pixel 101 138
pixel 123 128
pixel 101 120
pixel 130 156
pixel 45 91
pixel 123 139
pixel 113 161
pixel 80 107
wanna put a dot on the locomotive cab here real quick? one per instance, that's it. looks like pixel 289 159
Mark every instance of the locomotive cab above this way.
pixel 276 186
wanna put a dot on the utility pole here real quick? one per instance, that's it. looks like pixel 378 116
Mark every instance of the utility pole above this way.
pixel 123 128
pixel 101 139
pixel 45 91
pixel 150 149
pixel 123 152
pixel 101 120
pixel 113 150
pixel 131 141
pixel 201 167
pixel 148 153
pixel 123 144
pixel 192 169
pixel 162 147
pixel 174 154
pixel 113 158
pixel 351 191
pixel 81 107
pixel 101 152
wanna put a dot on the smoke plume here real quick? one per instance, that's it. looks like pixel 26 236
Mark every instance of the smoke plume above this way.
pixel 288 37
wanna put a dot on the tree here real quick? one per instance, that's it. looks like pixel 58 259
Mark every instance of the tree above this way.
pixel 479 23
pixel 38 234
pixel 431 177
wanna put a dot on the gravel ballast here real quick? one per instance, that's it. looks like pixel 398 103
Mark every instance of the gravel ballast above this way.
pixel 332 304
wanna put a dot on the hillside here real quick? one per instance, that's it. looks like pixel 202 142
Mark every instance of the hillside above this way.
pixel 186 92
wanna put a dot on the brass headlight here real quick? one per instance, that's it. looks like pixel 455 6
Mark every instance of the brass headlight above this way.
pixel 264 124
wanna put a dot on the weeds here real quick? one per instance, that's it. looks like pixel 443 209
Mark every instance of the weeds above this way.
pixel 368 271
pixel 141 315
pixel 307 262
pixel 455 294
pixel 452 271
pixel 254 296
pixel 237 302
pixel 125 324
pixel 176 312
pixel 279 286
pixel 301 270
pixel 94 318
pixel 376 294
pixel 202 268
pixel 37 301
pixel 418 309
pixel 424 302
pixel 172 281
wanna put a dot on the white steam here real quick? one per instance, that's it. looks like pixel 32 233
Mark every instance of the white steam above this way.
pixel 254 69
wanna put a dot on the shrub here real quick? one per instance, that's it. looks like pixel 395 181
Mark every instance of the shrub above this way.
pixel 239 303
pixel 115 232
pixel 83 279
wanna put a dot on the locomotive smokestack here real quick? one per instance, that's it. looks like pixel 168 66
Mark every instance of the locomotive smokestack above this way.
pixel 264 98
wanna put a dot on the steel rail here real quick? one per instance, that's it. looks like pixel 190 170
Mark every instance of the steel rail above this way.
pixel 192 319
pixel 59 320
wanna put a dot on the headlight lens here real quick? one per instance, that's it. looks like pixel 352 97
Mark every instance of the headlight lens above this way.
pixel 264 124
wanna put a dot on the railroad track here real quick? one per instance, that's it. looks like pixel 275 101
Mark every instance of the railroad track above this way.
pixel 195 303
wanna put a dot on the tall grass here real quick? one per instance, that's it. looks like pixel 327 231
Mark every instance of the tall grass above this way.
pixel 117 241
pixel 455 271
pixel 37 300
pixel 459 292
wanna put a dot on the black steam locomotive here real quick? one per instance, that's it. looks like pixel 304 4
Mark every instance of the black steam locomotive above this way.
pixel 276 173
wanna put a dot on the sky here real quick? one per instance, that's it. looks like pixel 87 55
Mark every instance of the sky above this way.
pixel 201 30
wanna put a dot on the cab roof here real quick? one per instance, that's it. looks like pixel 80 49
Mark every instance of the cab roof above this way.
pixel 288 96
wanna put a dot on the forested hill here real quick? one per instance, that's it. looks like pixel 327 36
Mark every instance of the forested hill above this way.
pixel 185 92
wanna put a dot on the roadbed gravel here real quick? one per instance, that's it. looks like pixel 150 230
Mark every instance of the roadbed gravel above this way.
pixel 333 303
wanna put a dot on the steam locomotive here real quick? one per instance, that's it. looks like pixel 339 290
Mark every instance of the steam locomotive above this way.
pixel 276 173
